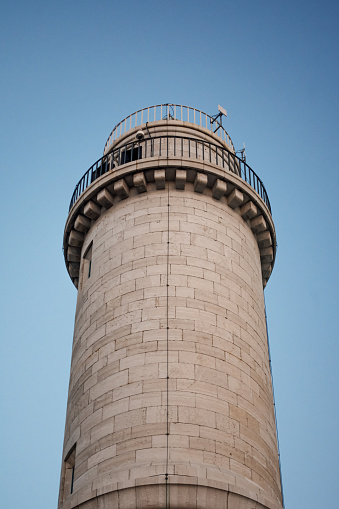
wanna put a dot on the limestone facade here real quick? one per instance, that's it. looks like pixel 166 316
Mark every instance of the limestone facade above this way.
pixel 170 399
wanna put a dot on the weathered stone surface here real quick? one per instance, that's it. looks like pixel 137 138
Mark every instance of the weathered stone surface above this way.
pixel 235 198
pixel 266 270
pixel 75 239
pixel 160 179
pixel 219 189
pixel 180 179
pixel 200 183
pixel 170 337
pixel 82 223
pixel 105 198
pixel 121 188
pixel 92 210
pixel 73 268
pixel 73 254
pixel 266 254
pixel 139 182
pixel 258 224
pixel 249 210
pixel 264 239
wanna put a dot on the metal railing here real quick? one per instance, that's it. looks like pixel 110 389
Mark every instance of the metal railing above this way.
pixel 171 146
pixel 168 112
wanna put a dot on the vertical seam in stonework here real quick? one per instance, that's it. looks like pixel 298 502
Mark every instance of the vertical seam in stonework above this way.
pixel 167 349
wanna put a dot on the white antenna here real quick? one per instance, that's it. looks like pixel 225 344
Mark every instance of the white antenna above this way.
pixel 242 152
pixel 222 110
pixel 219 115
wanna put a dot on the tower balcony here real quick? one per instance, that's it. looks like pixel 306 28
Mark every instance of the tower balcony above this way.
pixel 176 113
pixel 169 143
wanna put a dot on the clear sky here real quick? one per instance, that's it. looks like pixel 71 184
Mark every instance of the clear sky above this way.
pixel 69 72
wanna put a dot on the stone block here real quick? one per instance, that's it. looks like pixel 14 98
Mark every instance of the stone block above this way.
pixel 200 182
pixel 129 419
pixel 183 496
pixel 101 430
pixel 91 421
pixel 248 211
pixel 178 428
pixel 73 254
pixel 266 269
pixel 159 414
pixel 197 416
pixel 73 269
pixel 92 210
pixel 118 407
pixel 219 189
pixel 145 400
pixel 82 223
pixel 239 502
pixel 152 455
pixel 134 444
pixel 160 179
pixel 105 198
pixel 258 224
pixel 235 198
pixel 101 456
pixel 109 383
pixel 209 497
pixel 223 475
pixel 121 189
pixel 152 497
pixel 210 403
pixel 139 182
pixel 264 239
pixel 203 444
pixel 266 254
pixel 180 179
pixel 75 238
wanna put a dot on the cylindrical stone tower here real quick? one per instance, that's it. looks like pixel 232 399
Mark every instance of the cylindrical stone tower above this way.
pixel 170 241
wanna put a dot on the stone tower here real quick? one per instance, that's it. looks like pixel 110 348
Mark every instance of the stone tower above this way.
pixel 170 242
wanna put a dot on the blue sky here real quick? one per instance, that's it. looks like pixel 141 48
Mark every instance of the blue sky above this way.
pixel 69 72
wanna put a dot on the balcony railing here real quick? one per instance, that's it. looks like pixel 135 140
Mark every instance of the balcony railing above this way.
pixel 168 112
pixel 171 146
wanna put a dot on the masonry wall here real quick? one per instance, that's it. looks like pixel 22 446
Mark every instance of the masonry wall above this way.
pixel 175 289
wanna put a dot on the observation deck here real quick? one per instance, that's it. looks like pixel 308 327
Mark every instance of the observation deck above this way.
pixel 169 143
pixel 173 112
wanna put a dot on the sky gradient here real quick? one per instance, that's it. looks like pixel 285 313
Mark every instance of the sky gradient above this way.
pixel 72 70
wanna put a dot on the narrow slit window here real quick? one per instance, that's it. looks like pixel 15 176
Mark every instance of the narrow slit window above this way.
pixel 68 476
pixel 87 264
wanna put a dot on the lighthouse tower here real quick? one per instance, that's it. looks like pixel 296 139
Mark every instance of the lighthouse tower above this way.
pixel 170 241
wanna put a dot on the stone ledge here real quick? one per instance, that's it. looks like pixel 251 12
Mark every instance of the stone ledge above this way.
pixel 117 185
pixel 185 493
